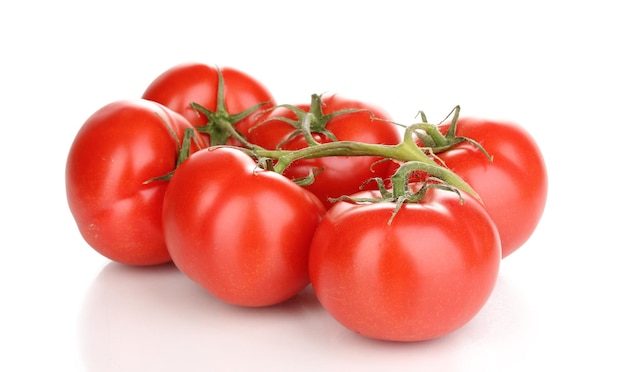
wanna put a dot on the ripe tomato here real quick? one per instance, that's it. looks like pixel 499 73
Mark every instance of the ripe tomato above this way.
pixel 422 276
pixel 241 232
pixel 513 187
pixel 340 175
pixel 188 83
pixel 118 148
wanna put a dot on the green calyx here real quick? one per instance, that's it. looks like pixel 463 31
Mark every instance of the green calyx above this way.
pixel 404 191
pixel 435 142
pixel 310 121
pixel 220 124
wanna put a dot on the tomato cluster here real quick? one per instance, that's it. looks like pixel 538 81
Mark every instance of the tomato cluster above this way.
pixel 400 236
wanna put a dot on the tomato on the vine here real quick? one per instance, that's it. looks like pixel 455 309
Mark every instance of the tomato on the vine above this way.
pixel 513 186
pixel 331 116
pixel 421 276
pixel 117 151
pixel 241 232
pixel 187 83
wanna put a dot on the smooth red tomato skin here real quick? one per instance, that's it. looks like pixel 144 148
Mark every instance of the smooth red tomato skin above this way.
pixel 514 187
pixel 240 232
pixel 192 82
pixel 424 276
pixel 119 147
pixel 342 175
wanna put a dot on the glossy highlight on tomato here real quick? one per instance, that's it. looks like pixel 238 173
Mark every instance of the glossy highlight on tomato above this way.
pixel 117 149
pixel 241 232
pixel 422 276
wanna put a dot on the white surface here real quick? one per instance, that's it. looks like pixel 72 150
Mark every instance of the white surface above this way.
pixel 557 68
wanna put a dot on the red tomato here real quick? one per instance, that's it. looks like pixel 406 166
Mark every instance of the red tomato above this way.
pixel 514 187
pixel 117 149
pixel 341 175
pixel 188 83
pixel 241 232
pixel 423 276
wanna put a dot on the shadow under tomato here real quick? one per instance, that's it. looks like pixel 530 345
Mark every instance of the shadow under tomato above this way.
pixel 156 319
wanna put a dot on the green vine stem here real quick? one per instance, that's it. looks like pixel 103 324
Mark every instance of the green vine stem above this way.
pixel 221 126
pixel 405 151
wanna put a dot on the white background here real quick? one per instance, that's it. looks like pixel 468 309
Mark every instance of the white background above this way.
pixel 555 67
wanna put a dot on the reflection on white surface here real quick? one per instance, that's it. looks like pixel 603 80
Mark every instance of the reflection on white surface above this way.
pixel 155 319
